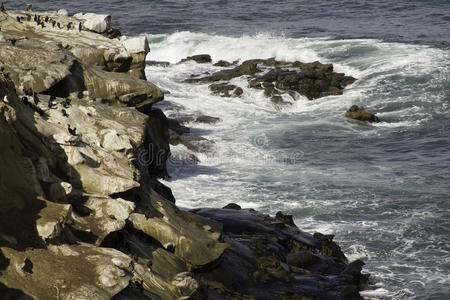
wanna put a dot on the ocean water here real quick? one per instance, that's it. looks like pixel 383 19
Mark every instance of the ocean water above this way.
pixel 382 189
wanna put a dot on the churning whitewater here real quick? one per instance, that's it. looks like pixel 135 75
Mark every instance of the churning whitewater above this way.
pixel 380 188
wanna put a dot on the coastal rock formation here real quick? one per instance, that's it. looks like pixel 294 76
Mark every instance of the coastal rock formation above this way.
pixel 361 114
pixel 200 58
pixel 278 78
pixel 82 213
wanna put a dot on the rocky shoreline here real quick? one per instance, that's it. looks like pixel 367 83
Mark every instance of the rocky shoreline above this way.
pixel 83 215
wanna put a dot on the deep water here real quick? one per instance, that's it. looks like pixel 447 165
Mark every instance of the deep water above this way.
pixel 382 189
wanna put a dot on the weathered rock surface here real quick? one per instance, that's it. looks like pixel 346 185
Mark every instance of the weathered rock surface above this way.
pixel 359 113
pixel 200 58
pixel 82 213
pixel 276 78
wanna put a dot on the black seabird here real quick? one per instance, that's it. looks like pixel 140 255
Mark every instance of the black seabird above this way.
pixel 59 25
pixel 79 27
pixel 35 18
pixel 66 103
pixel 51 103
pixel 53 24
pixel 69 25
pixel 46 19
pixel 35 99
pixel 13 41
pixel 28 17
pixel 72 131
pixel 64 113
pixel 18 19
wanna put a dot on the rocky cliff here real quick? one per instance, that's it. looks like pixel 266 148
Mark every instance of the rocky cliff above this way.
pixel 82 213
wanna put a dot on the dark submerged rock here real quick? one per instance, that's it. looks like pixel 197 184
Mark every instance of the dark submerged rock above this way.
pixel 361 114
pixel 226 90
pixel 200 58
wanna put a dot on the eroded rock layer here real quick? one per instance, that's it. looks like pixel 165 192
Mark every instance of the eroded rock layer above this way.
pixel 82 213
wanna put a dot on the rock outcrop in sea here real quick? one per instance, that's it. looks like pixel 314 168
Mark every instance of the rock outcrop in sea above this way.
pixel 83 215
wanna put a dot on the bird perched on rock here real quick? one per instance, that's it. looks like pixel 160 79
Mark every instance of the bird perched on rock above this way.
pixel 13 41
pixel 69 25
pixel 2 8
pixel 59 25
pixel 5 99
pixel 64 113
pixel 35 18
pixel 79 27
pixel 35 98
pixel 46 19
pixel 51 102
pixel 66 103
pixel 28 91
pixel 29 7
pixel 18 19
pixel 53 24
pixel 28 17
pixel 72 131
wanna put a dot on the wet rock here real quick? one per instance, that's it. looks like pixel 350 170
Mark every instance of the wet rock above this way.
pixel 232 206
pixel 246 68
pixel 361 114
pixel 207 119
pixel 157 63
pixel 226 90
pixel 224 63
pixel 200 58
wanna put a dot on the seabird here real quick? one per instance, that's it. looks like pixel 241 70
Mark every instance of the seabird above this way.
pixel 2 8
pixel 51 103
pixel 5 99
pixel 66 103
pixel 59 25
pixel 72 131
pixel 53 24
pixel 35 18
pixel 28 17
pixel 69 25
pixel 79 27
pixel 35 98
pixel 29 7
pixel 18 19
pixel 46 19
pixel 64 113
pixel 25 100
pixel 13 41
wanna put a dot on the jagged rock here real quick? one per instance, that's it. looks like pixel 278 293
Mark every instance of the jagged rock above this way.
pixel 200 58
pixel 246 68
pixel 224 63
pixel 157 63
pixel 68 272
pixel 107 215
pixel 97 23
pixel 52 219
pixel 361 114
pixel 224 90
pixel 197 244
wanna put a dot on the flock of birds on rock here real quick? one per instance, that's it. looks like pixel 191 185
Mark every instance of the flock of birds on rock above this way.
pixel 42 21
pixel 52 104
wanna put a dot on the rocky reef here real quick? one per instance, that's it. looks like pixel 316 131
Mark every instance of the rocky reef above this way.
pixel 82 213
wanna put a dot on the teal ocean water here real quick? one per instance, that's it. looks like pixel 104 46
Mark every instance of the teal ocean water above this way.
pixel 383 189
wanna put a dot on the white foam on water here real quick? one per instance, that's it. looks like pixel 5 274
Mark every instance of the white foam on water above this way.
pixel 393 81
